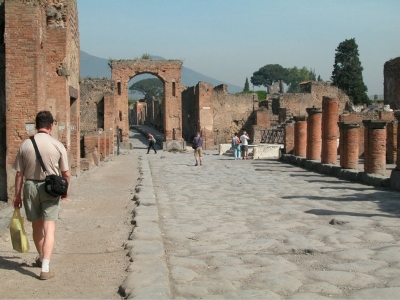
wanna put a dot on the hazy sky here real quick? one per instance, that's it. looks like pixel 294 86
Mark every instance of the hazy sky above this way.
pixel 230 39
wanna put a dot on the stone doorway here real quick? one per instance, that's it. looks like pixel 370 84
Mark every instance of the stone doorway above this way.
pixel 169 72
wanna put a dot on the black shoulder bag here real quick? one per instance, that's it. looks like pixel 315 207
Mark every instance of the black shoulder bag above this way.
pixel 54 185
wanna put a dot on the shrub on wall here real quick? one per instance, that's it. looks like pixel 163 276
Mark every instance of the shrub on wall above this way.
pixel 262 95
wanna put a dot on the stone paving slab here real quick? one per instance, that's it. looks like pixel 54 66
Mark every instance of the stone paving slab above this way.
pixel 268 230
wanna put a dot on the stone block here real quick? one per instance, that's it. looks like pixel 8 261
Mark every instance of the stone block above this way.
pixel 267 151
pixel 223 148
pixel 126 145
pixel 174 145
pixel 395 180
pixel 349 174
pixel 85 164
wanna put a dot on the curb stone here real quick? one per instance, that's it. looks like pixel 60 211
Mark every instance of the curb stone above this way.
pixel 149 277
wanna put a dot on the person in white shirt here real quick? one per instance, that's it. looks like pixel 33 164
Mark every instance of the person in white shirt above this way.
pixel 244 138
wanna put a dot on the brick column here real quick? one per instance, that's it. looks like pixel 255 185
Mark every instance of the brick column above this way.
pixel 330 132
pixel 300 136
pixel 349 141
pixel 314 133
pixel 375 147
pixel 391 144
pixel 288 138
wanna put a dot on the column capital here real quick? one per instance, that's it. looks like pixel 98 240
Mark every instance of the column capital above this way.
pixel 314 110
pixel 375 124
pixel 348 125
pixel 300 118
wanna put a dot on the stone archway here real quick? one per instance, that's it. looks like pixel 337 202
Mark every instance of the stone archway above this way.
pixel 169 72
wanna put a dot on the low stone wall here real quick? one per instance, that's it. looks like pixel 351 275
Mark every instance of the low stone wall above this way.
pixel 259 151
pixel 337 171
pixel 267 151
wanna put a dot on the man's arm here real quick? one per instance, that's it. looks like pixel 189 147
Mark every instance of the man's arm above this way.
pixel 17 203
pixel 66 175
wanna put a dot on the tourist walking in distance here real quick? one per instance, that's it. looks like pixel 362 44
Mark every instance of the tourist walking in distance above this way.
pixel 236 146
pixel 152 140
pixel 244 138
pixel 198 149
pixel 41 208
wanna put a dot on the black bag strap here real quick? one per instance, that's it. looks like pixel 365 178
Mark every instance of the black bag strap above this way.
pixel 38 156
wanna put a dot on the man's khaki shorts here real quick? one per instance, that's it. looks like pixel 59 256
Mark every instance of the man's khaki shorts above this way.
pixel 198 152
pixel 38 204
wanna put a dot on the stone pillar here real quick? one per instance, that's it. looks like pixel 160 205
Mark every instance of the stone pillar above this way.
pixel 314 133
pixel 349 141
pixel 375 147
pixel 300 136
pixel 395 175
pixel 330 132
pixel 288 138
pixel 391 142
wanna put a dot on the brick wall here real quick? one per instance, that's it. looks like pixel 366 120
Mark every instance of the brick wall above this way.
pixel 92 103
pixel 296 104
pixel 232 113
pixel 391 84
pixel 41 73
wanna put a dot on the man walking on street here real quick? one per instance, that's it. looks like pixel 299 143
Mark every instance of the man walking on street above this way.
pixel 41 208
pixel 198 150
pixel 151 139
pixel 244 138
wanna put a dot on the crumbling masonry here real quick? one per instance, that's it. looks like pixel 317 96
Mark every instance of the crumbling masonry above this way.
pixel 39 58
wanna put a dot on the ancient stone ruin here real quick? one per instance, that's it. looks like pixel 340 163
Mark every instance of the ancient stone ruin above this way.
pixel 40 71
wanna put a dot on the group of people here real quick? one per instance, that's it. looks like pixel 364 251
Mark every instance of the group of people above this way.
pixel 240 146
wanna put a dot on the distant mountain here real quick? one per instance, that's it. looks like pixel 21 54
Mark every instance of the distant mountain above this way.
pixel 97 67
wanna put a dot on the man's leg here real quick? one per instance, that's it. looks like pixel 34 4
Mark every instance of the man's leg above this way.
pixel 49 235
pixel 38 236
pixel 48 246
pixel 154 148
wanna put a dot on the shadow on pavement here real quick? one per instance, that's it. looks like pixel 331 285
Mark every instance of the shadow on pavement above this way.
pixel 8 264
pixel 325 212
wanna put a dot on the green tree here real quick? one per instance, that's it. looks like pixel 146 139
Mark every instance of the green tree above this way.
pixel 269 74
pixel 246 86
pixel 319 78
pixel 312 76
pixel 295 76
pixel 151 87
pixel 347 72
